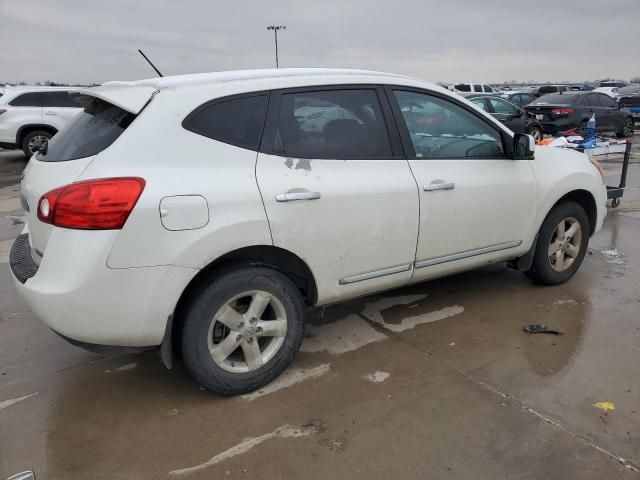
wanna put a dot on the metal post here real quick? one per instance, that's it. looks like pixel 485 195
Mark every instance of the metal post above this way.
pixel 275 29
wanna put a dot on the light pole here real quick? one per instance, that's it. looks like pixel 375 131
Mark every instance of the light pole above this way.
pixel 275 29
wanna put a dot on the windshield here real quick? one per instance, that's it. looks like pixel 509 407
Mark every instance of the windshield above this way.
pixel 92 131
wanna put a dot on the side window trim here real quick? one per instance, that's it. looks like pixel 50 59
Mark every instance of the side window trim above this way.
pixel 404 132
pixel 268 144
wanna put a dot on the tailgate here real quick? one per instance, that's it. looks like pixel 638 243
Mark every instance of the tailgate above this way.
pixel 108 111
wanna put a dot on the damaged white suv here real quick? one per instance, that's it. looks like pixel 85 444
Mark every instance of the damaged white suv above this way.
pixel 206 213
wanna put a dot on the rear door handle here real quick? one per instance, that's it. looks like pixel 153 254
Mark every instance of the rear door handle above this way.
pixel 438 186
pixel 293 196
pixel 49 112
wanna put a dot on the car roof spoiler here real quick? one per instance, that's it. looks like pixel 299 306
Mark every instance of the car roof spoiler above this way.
pixel 130 98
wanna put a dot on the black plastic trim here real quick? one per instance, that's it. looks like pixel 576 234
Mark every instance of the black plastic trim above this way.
pixel 20 259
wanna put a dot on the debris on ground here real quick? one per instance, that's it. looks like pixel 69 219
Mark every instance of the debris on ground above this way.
pixel 605 406
pixel 534 328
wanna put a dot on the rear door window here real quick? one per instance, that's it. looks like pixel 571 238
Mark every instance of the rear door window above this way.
pixel 462 87
pixel 93 130
pixel 502 106
pixel 477 88
pixel 236 121
pixel 29 99
pixel 59 99
pixel 332 124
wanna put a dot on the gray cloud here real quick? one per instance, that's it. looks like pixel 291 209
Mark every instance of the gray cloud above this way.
pixel 465 40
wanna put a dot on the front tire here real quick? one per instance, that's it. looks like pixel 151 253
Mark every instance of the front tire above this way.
pixel 561 246
pixel 243 330
pixel 536 133
pixel 627 128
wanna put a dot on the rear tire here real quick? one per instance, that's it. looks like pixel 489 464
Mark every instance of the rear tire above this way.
pixel 230 343
pixel 32 140
pixel 627 128
pixel 562 244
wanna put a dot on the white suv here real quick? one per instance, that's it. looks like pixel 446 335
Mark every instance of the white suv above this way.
pixel 30 116
pixel 206 213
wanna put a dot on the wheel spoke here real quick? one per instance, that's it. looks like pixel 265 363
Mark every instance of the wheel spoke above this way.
pixel 230 317
pixel 572 230
pixel 252 354
pixel 272 328
pixel 559 260
pixel 560 230
pixel 259 303
pixel 554 247
pixel 572 251
pixel 226 347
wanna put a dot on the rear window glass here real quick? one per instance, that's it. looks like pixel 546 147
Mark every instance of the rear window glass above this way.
pixel 93 130
pixel 236 121
pixel 30 99
pixel 556 99
pixel 550 89
pixel 59 99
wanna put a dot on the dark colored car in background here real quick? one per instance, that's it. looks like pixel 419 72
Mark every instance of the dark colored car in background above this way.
pixel 547 89
pixel 514 118
pixel 559 112
pixel 630 99
pixel 519 98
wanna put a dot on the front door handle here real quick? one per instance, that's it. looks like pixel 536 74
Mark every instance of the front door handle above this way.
pixel 293 196
pixel 438 186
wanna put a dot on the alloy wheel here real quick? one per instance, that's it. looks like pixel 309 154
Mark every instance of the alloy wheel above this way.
pixel 247 331
pixel 565 243
pixel 36 142
pixel 628 127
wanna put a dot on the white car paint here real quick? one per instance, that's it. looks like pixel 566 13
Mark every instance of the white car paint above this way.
pixel 611 91
pixel 16 119
pixel 119 287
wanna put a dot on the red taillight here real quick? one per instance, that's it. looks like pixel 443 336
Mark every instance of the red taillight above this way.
pixel 562 112
pixel 103 204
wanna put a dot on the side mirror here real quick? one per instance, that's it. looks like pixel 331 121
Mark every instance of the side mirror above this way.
pixel 523 146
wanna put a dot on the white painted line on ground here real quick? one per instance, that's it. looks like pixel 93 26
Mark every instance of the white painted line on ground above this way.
pixel 5 248
pixel 285 431
pixel 377 377
pixel 13 401
pixel 288 378
pixel 410 322
pixel 344 335
pixel 128 366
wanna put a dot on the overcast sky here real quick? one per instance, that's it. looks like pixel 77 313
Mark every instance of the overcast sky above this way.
pixel 449 40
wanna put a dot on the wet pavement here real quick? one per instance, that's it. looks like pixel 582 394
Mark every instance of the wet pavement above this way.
pixel 436 380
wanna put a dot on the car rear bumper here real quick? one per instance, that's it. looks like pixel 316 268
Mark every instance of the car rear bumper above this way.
pixel 8 145
pixel 74 292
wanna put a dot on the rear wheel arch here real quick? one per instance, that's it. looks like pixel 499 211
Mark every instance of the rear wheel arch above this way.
pixel 25 129
pixel 268 256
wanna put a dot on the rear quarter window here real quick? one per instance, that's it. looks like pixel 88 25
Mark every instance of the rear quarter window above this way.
pixel 236 121
pixel 93 130
pixel 29 99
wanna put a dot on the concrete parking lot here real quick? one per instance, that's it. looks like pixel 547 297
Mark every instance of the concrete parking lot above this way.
pixel 436 381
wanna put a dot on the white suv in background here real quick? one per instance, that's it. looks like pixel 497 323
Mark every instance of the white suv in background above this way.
pixel 207 212
pixel 473 87
pixel 30 116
